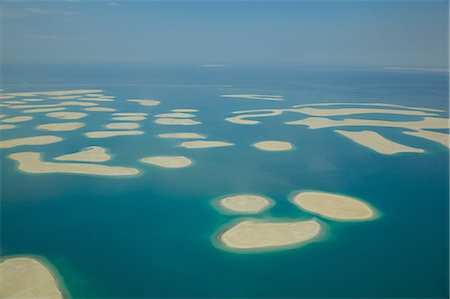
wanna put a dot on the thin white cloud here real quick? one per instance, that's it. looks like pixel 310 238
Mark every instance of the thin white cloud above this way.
pixel 49 12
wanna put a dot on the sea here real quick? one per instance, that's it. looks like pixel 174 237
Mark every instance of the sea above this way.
pixel 155 235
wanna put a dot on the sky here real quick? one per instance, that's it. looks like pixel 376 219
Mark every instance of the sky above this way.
pixel 325 33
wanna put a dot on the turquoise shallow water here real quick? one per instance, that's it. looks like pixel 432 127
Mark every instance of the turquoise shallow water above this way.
pixel 150 236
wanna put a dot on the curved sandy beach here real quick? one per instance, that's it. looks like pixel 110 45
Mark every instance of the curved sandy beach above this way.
pixel 333 206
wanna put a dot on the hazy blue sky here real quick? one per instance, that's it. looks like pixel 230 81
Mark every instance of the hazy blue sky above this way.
pixel 357 33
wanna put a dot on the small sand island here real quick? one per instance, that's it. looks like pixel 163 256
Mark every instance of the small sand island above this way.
pixel 31 162
pixel 185 110
pixel 204 144
pixel 168 161
pixel 176 121
pixel 184 135
pixel 266 235
pixel 43 110
pixel 17 119
pixel 146 102
pixel 35 140
pixel 7 127
pixel 67 115
pixel 273 146
pixel 175 115
pixel 333 206
pixel 27 278
pixel 88 154
pixel 123 126
pixel 106 134
pixel 129 118
pixel 244 203
pixel 100 109
pixel 61 127
pixel 378 143
pixel 263 97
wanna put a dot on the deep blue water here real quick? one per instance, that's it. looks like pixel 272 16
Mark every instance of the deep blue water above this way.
pixel 151 236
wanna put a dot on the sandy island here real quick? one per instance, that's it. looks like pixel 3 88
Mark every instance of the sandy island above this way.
pixel 31 162
pixel 184 135
pixel 146 102
pixel 244 203
pixel 86 104
pixel 17 119
pixel 60 127
pixel 7 127
pixel 54 93
pixel 67 115
pixel 26 277
pixel 42 110
pixel 176 121
pixel 88 154
pixel 122 126
pixel 129 118
pixel 100 109
pixel 175 115
pixel 273 146
pixel 168 161
pixel 35 140
pixel 378 143
pixel 333 206
pixel 106 134
pixel 185 110
pixel 438 137
pixel 351 111
pixel 204 144
pixel 255 97
pixel 130 114
pixel 252 234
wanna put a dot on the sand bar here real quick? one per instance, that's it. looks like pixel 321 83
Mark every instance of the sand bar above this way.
pixel 204 144
pixel 72 103
pixel 33 100
pixel 129 118
pixel 31 162
pixel 35 140
pixel 184 135
pixel 14 102
pixel 130 114
pixel 176 121
pixel 168 161
pixel 26 277
pixel 67 115
pixel 252 234
pixel 185 110
pixel 65 97
pixel 100 109
pixel 106 134
pixel 273 146
pixel 245 203
pixel 42 110
pixel 175 115
pixel 351 111
pixel 371 104
pixel 378 143
pixel 146 102
pixel 60 127
pixel 122 126
pixel 88 154
pixel 254 97
pixel 54 93
pixel 3 97
pixel 438 137
pixel 17 119
pixel 333 206
pixel 7 127
pixel 243 118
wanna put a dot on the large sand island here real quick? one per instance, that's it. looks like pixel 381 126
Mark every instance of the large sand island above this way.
pixel 184 135
pixel 35 140
pixel 60 127
pixel 333 206
pixel 27 278
pixel 31 162
pixel 168 161
pixel 89 154
pixel 260 235
pixel 244 203
pixel 67 115
pixel 17 119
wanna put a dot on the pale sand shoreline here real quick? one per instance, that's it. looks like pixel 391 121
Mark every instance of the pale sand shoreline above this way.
pixel 17 119
pixel 148 103
pixel 61 127
pixel 183 135
pixel 250 235
pixel 28 277
pixel 123 126
pixel 41 110
pixel 129 118
pixel 106 134
pixel 273 146
pixel 244 204
pixel 185 110
pixel 204 144
pixel 255 97
pixel 378 143
pixel 333 206
pixel 177 121
pixel 168 161
pixel 67 115
pixel 438 137
pixel 31 162
pixel 7 127
pixel 88 154
pixel 34 140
